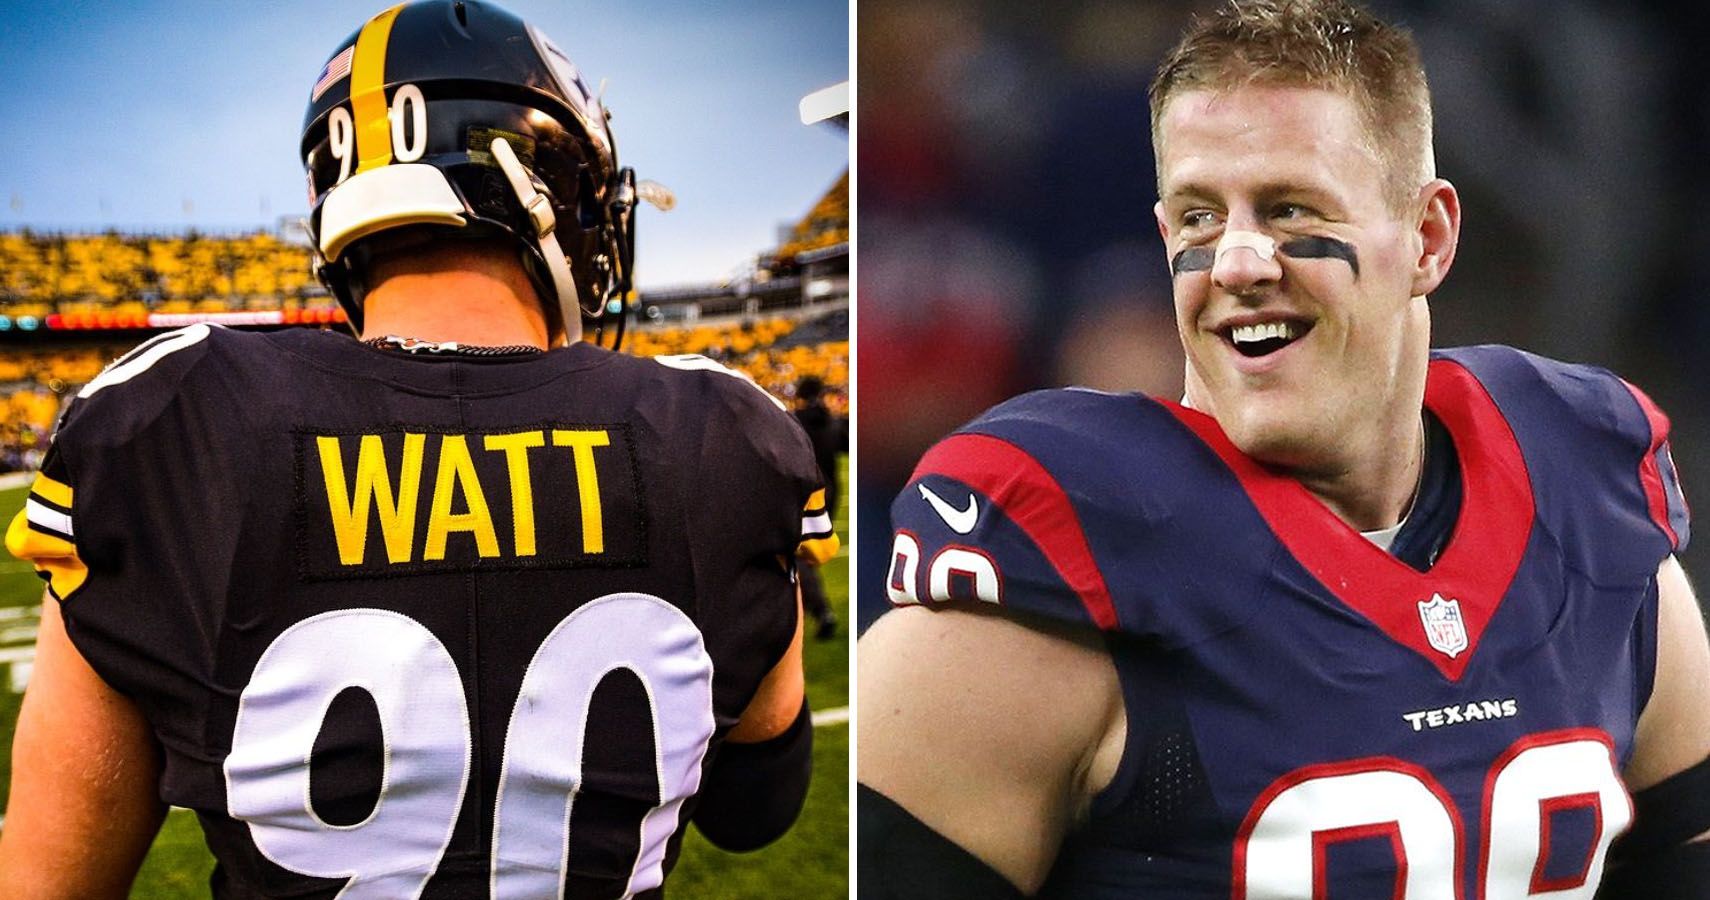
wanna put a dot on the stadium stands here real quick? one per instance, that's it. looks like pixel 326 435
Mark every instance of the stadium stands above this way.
pixel 776 352
pixel 131 276
pixel 70 303
pixel 826 225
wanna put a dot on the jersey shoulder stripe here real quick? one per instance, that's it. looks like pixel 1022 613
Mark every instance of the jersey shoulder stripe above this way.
pixel 42 534
pixel 1018 485
pixel 1597 450
pixel 1664 498
pixel 1095 509
pixel 819 542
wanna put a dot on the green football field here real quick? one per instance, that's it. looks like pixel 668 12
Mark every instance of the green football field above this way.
pixel 810 862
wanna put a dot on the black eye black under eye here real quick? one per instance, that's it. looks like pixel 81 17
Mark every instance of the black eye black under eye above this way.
pixel 1192 259
pixel 1200 259
pixel 1320 247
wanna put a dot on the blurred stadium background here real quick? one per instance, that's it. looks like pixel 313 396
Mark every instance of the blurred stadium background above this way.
pixel 84 278
pixel 1006 191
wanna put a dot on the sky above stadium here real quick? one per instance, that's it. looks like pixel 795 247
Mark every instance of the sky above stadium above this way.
pixel 167 116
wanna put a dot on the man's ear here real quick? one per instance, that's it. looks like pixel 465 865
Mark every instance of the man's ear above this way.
pixel 1439 235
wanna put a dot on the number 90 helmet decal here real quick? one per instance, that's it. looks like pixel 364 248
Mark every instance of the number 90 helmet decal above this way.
pixel 461 117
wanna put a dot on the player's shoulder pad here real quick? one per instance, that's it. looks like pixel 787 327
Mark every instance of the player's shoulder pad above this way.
pixel 729 403
pixel 135 389
pixel 751 431
pixel 1092 508
pixel 696 363
pixel 1597 454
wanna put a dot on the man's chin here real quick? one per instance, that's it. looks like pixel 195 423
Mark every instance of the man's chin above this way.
pixel 1271 436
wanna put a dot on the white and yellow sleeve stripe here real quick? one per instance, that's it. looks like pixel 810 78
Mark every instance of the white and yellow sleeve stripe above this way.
pixel 819 543
pixel 42 533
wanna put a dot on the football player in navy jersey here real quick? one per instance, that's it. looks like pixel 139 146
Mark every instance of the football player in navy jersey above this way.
pixel 469 607
pixel 1356 618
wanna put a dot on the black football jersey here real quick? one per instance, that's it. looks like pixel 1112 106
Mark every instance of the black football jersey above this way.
pixel 435 626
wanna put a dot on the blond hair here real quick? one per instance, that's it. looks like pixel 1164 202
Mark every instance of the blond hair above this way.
pixel 1330 45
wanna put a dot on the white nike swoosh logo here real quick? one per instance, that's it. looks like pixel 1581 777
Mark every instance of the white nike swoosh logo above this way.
pixel 960 521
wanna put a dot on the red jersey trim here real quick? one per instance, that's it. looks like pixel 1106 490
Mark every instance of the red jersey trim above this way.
pixel 1477 565
pixel 1015 482
pixel 1650 476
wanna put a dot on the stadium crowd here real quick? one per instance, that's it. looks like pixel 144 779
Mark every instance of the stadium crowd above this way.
pixel 777 352
pixel 825 225
pixel 116 280
pixel 128 276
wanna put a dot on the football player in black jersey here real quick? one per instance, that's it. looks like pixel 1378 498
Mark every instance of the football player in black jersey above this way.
pixel 469 607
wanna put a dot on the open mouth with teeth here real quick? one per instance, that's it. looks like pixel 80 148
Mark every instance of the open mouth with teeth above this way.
pixel 1265 338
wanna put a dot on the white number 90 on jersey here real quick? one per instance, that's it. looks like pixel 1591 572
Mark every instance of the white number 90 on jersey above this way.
pixel 424 719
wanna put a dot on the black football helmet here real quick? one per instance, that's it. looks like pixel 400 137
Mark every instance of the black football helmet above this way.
pixel 461 117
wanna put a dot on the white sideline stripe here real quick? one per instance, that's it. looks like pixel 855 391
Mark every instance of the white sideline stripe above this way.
pixel 16 479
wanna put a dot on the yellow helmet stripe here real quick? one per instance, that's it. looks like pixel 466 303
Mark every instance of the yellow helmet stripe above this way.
pixel 368 92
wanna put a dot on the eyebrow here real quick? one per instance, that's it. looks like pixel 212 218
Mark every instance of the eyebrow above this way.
pixel 1188 192
pixel 1268 192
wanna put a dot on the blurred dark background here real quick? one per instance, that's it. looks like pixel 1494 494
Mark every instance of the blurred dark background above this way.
pixel 1006 239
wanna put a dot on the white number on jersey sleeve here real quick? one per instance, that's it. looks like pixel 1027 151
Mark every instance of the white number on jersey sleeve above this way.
pixel 694 362
pixel 144 355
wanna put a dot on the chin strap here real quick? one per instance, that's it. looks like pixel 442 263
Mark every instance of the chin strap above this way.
pixel 540 215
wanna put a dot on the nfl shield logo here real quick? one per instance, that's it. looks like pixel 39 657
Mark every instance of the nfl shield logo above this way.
pixel 1443 625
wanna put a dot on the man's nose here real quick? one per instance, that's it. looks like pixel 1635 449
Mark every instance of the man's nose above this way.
pixel 1245 262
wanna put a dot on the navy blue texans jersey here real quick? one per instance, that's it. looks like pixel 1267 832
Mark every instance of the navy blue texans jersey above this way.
pixel 1308 716
pixel 427 626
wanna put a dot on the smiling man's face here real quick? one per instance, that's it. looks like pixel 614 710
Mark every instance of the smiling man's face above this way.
pixel 1308 327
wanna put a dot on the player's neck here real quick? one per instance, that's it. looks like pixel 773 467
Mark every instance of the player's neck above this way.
pixel 467 300
pixel 1377 489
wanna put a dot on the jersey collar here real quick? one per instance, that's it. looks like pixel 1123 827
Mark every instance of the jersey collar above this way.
pixel 1440 613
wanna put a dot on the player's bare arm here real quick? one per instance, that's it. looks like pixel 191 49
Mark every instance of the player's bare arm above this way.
pixel 778 700
pixel 992 733
pixel 1674 731
pixel 83 808
pixel 1668 771
pixel 755 789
